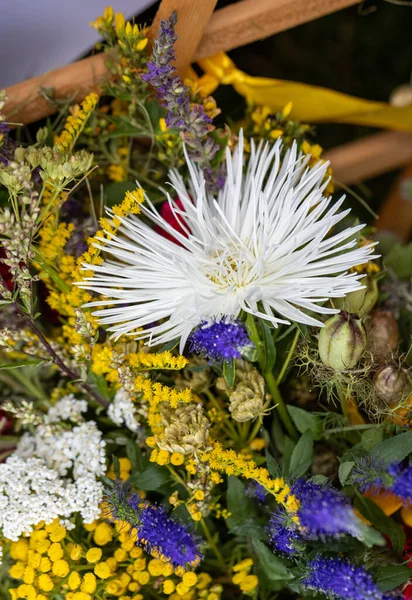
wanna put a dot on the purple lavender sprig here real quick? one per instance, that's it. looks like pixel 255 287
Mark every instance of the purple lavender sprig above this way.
pixel 191 119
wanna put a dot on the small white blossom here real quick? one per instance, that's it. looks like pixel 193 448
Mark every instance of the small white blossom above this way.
pixel 53 472
pixel 67 408
pixel 30 492
pixel 122 411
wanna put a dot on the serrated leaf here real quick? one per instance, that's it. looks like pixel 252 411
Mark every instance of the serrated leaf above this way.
pixel 151 479
pixel 272 566
pixel 389 578
pixel 229 372
pixel 249 529
pixel 302 456
pixel 344 469
pixel 394 449
pixel 236 502
pixel 382 522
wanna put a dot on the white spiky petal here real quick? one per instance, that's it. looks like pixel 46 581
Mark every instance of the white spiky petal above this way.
pixel 263 245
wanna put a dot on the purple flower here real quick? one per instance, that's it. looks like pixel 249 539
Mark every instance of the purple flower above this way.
pixel 191 119
pixel 220 340
pixel 284 535
pixel 256 491
pixel 371 472
pixel 324 511
pixel 337 578
pixel 156 532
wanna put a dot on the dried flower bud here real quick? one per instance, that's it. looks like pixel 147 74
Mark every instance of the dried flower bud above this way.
pixel 186 430
pixel 392 384
pixel 382 334
pixel 247 401
pixel 197 375
pixel 362 301
pixel 342 342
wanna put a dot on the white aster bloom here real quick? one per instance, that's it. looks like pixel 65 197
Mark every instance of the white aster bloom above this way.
pixel 263 245
pixel 122 411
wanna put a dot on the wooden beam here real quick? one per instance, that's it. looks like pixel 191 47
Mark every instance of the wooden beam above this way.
pixel 193 17
pixel 249 20
pixel 396 212
pixel 370 156
pixel 229 27
pixel 26 103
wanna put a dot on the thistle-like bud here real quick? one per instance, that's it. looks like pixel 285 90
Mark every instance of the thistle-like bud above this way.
pixel 247 401
pixel 392 384
pixel 382 334
pixel 342 342
pixel 361 301
pixel 186 430
pixel 197 375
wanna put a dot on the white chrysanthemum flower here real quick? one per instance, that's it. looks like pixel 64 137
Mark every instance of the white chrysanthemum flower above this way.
pixel 263 245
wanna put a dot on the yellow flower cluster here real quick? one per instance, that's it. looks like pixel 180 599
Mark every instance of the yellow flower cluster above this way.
pixel 233 463
pixel 247 583
pixel 315 151
pixel 53 239
pixel 104 562
pixel 75 122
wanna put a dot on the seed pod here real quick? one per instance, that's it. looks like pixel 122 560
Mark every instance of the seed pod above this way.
pixel 382 334
pixel 186 431
pixel 362 301
pixel 392 384
pixel 247 401
pixel 342 342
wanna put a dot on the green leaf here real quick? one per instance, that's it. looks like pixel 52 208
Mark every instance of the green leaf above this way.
pixel 370 438
pixel 236 502
pixel 272 566
pixel 344 469
pixel 388 578
pixel 269 348
pixel 394 449
pixel 385 524
pixel 249 529
pixel 229 371
pixel 399 260
pixel 151 479
pixel 134 454
pixel 116 466
pixel 21 363
pixel 115 192
pixel 302 456
pixel 272 465
pixel 305 421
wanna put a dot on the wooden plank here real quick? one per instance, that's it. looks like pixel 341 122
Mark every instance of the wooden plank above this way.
pixel 396 212
pixel 249 20
pixel 229 27
pixel 193 16
pixel 26 103
pixel 370 156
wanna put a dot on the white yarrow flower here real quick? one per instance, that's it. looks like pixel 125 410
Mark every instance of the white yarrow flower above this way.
pixel 264 245
pixel 122 411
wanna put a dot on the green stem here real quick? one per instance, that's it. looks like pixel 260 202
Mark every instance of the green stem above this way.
pixel 212 544
pixel 270 380
pixel 255 430
pixel 288 357
pixel 51 272
pixel 280 405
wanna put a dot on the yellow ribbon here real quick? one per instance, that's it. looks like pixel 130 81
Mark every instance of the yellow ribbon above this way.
pixel 310 103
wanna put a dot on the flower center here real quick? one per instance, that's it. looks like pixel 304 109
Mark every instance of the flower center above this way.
pixel 233 269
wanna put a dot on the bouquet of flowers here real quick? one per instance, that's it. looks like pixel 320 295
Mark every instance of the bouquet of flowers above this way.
pixel 206 385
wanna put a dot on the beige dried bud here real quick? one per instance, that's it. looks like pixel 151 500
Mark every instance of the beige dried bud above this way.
pixel 382 334
pixel 392 384
pixel 186 430
pixel 247 401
